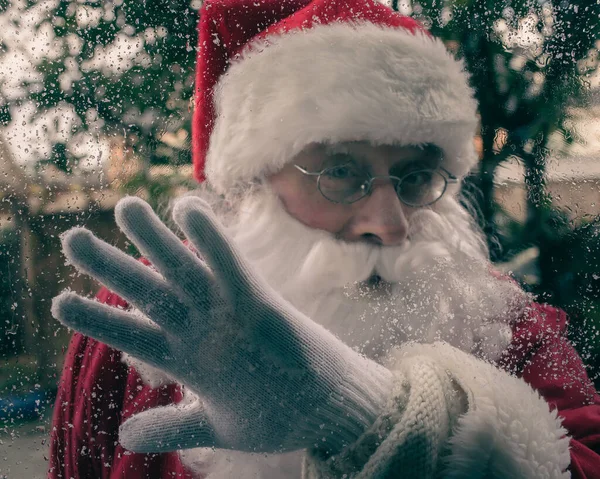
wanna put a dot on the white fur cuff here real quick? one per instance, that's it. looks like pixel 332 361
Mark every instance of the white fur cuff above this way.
pixel 508 430
pixel 498 427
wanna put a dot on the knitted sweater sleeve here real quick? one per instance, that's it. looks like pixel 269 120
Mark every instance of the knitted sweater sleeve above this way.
pixel 98 392
pixel 533 414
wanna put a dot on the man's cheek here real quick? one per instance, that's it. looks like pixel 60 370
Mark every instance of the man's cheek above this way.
pixel 319 213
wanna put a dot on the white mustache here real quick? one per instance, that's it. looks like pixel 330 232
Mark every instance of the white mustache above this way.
pixel 341 262
pixel 436 285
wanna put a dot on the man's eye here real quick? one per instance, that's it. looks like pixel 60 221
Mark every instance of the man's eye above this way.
pixel 418 178
pixel 342 172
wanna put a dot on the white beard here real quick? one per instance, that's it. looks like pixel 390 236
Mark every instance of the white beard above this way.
pixel 436 286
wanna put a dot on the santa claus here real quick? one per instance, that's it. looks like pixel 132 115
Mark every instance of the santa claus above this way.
pixel 332 312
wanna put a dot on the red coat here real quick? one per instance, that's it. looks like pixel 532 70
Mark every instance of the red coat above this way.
pixel 97 393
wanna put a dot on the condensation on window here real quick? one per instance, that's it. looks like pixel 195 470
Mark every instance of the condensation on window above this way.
pixel 96 102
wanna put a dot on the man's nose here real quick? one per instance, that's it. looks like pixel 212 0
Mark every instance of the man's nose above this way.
pixel 379 218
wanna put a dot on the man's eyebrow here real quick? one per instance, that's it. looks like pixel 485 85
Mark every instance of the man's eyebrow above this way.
pixel 357 158
pixel 337 149
pixel 422 162
pixel 401 166
pixel 428 157
pixel 429 149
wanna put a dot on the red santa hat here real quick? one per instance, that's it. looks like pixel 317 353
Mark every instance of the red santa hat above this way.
pixel 274 76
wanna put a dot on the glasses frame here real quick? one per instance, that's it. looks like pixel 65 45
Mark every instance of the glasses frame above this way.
pixel 367 186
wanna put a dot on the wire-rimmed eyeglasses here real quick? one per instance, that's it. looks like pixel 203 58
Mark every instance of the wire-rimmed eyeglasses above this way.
pixel 347 183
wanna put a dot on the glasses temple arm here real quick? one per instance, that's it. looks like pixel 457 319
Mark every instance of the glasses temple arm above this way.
pixel 306 172
pixel 452 178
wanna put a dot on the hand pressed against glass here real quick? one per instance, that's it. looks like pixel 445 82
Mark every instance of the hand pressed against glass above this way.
pixel 361 192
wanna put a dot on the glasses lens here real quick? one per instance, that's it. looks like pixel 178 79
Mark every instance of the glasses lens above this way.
pixel 421 188
pixel 343 183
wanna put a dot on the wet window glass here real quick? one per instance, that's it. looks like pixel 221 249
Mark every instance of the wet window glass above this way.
pixel 281 307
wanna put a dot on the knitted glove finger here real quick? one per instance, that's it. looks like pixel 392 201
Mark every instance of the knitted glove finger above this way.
pixel 138 284
pixel 204 231
pixel 175 262
pixel 119 329
pixel 168 428
pixel 259 310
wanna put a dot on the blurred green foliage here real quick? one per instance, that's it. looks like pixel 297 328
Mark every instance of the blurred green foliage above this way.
pixel 530 62
pixel 138 99
pixel 570 278
pixel 11 342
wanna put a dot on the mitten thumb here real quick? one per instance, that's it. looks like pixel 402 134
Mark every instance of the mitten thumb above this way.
pixel 168 428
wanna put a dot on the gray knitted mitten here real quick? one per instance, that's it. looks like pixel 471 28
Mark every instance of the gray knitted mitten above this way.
pixel 269 378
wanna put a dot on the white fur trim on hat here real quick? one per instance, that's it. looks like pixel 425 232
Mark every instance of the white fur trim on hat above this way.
pixel 337 83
